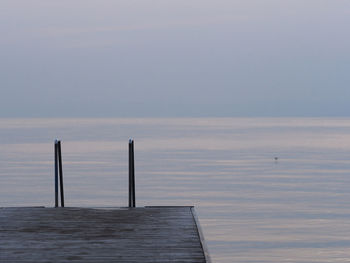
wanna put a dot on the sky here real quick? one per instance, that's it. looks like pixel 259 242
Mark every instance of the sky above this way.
pixel 174 58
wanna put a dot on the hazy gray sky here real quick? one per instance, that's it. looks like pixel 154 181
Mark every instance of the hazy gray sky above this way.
pixel 174 58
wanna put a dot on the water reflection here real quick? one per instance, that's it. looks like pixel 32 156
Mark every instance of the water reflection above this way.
pixel 252 208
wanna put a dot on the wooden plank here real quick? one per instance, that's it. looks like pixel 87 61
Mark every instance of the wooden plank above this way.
pixel 201 237
pixel 148 234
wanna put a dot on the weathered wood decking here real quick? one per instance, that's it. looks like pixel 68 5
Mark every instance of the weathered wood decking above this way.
pixel 148 234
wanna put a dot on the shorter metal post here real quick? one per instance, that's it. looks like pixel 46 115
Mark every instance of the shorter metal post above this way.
pixel 61 172
pixel 56 174
pixel 133 175
pixel 132 201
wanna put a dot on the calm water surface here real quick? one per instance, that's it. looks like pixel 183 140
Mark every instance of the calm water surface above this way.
pixel 252 208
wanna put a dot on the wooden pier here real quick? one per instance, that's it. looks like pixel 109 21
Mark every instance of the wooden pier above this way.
pixel 143 234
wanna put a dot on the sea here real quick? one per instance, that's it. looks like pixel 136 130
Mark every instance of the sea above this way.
pixel 264 189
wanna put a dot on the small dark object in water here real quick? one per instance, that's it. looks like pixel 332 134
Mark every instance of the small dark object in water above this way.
pixel 276 158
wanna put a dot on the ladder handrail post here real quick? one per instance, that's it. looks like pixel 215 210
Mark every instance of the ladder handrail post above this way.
pixel 56 172
pixel 60 173
pixel 133 174
pixel 132 202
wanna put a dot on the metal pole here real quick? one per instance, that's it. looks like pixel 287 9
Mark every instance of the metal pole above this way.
pixel 131 174
pixel 130 146
pixel 61 173
pixel 56 174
